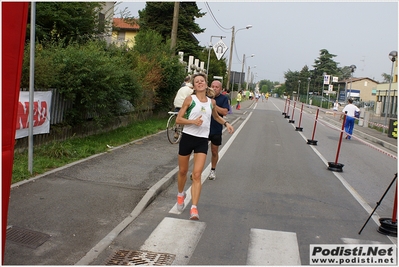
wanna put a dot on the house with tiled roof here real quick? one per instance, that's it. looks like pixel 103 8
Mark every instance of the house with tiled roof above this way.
pixel 124 31
pixel 362 89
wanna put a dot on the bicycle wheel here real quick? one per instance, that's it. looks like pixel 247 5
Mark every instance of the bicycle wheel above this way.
pixel 172 130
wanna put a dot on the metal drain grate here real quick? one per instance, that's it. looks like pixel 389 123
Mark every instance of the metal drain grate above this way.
pixel 129 257
pixel 26 237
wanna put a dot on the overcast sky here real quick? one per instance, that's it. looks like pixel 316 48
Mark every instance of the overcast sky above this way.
pixel 289 35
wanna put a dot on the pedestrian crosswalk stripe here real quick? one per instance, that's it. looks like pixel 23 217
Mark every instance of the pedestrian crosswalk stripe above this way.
pixel 268 247
pixel 175 236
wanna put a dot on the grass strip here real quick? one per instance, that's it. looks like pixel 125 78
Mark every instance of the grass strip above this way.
pixel 60 153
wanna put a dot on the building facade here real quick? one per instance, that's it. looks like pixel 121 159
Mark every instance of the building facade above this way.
pixel 387 95
pixel 359 89
pixel 124 31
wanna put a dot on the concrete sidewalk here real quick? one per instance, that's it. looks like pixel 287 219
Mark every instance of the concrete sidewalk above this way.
pixel 71 214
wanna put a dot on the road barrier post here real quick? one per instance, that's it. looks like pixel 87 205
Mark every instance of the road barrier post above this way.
pixel 288 110
pixel 292 116
pixel 285 106
pixel 312 141
pixel 335 166
pixel 299 128
pixel 388 226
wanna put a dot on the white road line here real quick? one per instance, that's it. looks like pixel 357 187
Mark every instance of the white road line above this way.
pixel 350 189
pixel 175 236
pixel 268 247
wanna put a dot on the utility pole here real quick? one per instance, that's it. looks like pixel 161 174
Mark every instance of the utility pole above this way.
pixel 231 53
pixel 230 59
pixel 174 27
pixel 242 71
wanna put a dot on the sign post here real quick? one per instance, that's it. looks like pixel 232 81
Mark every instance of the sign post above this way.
pixel 326 81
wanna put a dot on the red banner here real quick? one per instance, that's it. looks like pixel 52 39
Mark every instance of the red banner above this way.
pixel 14 18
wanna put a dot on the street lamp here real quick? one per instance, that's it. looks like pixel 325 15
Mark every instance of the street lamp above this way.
pixel 249 70
pixel 209 52
pixel 253 76
pixel 307 93
pixel 299 84
pixel 254 81
pixel 231 52
pixel 392 56
pixel 353 68
pixel 242 69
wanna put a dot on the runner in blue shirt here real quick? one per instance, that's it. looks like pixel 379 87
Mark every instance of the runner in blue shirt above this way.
pixel 215 134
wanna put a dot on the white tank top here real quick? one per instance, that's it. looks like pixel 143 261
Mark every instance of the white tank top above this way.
pixel 195 110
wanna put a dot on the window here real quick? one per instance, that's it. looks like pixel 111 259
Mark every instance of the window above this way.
pixel 121 36
pixel 101 22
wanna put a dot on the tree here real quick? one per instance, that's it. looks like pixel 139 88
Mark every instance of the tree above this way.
pixel 280 90
pixel 324 64
pixel 345 73
pixel 304 76
pixel 386 77
pixel 267 86
pixel 291 81
pixel 158 16
pixel 72 21
pixel 161 74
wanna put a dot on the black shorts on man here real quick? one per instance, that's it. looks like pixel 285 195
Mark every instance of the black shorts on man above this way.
pixel 216 139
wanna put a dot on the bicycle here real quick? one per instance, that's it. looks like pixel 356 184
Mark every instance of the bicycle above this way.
pixel 173 130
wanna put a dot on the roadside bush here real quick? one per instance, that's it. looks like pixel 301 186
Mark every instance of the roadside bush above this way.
pixel 160 72
pixel 98 77
pixel 46 71
pixel 94 81
pixel 174 74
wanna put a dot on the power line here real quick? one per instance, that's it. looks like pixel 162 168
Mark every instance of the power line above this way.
pixel 224 29
pixel 214 18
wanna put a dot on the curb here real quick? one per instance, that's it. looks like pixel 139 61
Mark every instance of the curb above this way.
pixel 149 196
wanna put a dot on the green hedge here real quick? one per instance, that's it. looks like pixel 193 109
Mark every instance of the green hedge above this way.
pixel 96 76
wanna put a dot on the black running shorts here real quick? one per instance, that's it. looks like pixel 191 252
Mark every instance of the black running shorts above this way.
pixel 216 139
pixel 188 143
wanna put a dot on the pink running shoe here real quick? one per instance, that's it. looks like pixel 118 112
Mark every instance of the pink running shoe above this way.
pixel 180 202
pixel 194 214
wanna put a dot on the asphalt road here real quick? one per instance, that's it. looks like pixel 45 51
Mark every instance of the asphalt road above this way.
pixel 269 180
pixel 271 185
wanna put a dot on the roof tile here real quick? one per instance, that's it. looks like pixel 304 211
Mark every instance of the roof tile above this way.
pixel 125 24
